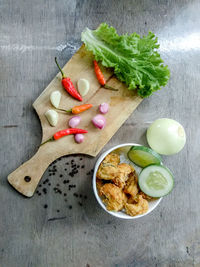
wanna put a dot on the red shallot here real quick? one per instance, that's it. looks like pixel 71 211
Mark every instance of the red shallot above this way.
pixel 79 138
pixel 99 121
pixel 103 108
pixel 74 121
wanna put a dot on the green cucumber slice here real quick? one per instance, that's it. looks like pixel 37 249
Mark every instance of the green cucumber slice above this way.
pixel 143 156
pixel 156 181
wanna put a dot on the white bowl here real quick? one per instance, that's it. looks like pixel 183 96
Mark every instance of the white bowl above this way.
pixel 123 149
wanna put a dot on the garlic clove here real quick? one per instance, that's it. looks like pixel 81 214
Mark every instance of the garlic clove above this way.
pixel 52 117
pixel 55 98
pixel 83 86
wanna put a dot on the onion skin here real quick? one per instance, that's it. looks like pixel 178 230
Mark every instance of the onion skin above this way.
pixel 99 121
pixel 103 108
pixel 74 121
pixel 79 138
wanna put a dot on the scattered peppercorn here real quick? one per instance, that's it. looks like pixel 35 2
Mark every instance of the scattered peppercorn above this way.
pixel 44 190
pixel 74 165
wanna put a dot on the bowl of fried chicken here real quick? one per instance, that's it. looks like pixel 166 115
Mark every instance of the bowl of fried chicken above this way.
pixel 115 185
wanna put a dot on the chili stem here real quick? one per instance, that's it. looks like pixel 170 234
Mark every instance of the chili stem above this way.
pixel 63 75
pixel 69 110
pixel 49 140
pixel 110 88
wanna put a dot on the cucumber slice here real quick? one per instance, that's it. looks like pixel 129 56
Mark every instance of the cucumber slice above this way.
pixel 156 181
pixel 143 156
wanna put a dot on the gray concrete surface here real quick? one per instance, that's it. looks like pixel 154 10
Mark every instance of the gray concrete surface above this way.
pixel 32 33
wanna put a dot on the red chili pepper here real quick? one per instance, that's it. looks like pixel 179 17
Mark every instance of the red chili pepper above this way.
pixel 68 85
pixel 99 74
pixel 65 132
pixel 101 78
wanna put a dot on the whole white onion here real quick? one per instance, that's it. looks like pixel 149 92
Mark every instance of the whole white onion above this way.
pixel 166 136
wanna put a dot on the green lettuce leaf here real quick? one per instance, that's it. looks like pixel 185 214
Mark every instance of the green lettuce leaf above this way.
pixel 135 59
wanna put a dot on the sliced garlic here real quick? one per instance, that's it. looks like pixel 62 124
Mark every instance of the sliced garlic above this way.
pixel 55 98
pixel 83 86
pixel 52 117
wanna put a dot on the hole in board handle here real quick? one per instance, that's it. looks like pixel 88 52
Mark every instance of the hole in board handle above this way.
pixel 27 179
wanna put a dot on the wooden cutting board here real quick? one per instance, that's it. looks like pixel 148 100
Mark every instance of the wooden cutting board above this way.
pixel 122 103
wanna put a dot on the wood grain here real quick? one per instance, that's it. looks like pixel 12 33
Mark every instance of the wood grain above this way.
pixel 32 34
pixel 122 103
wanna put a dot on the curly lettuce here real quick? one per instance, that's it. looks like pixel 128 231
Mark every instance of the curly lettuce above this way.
pixel 135 59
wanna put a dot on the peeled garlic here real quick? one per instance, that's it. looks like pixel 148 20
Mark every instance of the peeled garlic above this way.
pixel 55 98
pixel 83 86
pixel 52 117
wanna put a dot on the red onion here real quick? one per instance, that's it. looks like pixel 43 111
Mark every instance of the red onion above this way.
pixel 74 121
pixel 79 138
pixel 99 121
pixel 103 108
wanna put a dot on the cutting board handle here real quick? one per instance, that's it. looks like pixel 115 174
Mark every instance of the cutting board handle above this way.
pixel 26 178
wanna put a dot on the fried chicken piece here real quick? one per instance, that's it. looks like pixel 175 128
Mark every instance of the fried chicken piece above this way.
pixel 132 200
pixel 131 186
pixel 107 171
pixel 99 184
pixel 112 158
pixel 113 197
pixel 146 196
pixel 140 207
pixel 124 170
